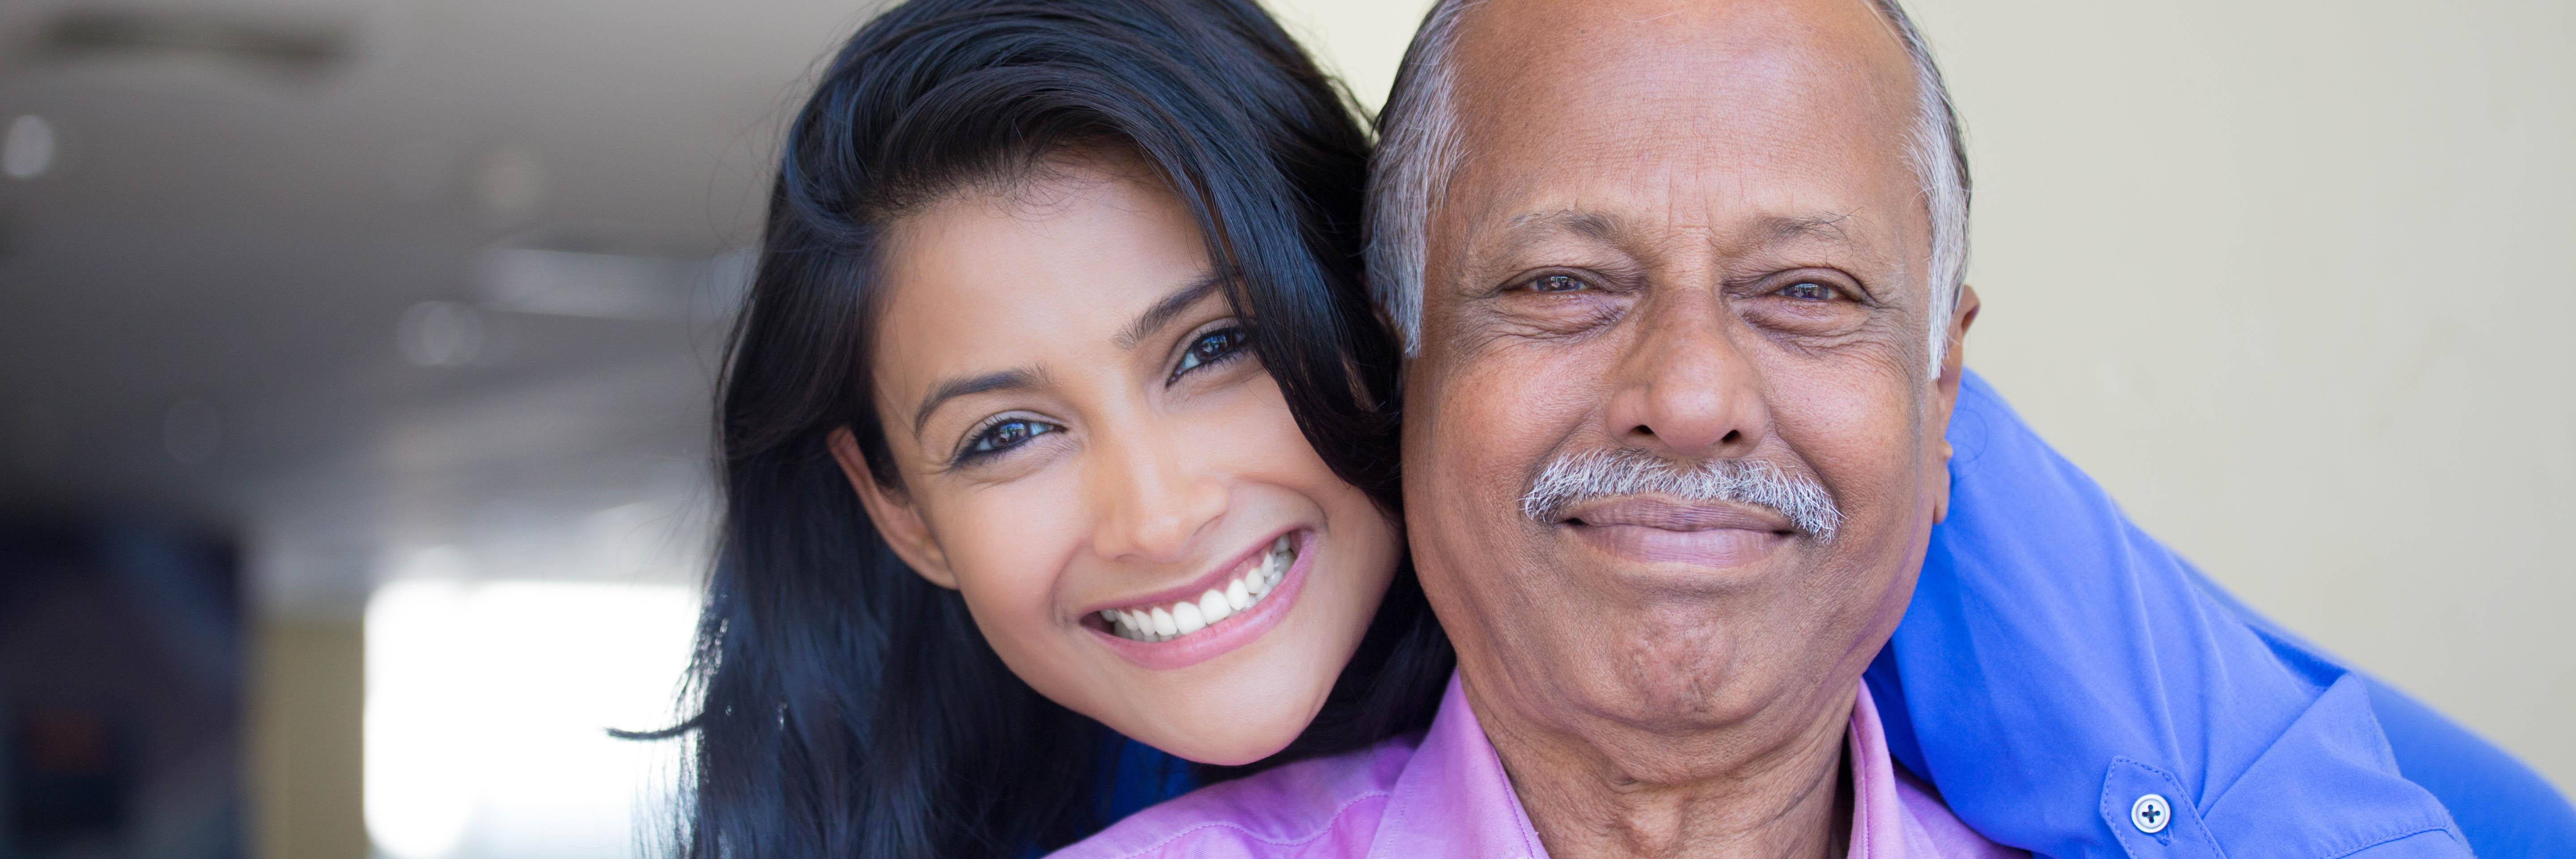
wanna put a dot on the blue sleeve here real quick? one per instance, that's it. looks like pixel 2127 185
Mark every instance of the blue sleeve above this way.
pixel 2503 807
pixel 2058 665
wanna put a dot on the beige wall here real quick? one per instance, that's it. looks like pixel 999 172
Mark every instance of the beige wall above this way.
pixel 308 692
pixel 2286 277
pixel 1360 40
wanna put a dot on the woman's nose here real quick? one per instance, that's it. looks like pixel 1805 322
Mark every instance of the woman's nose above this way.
pixel 1153 503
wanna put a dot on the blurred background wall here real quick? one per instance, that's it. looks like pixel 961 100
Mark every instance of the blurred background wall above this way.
pixel 371 340
pixel 411 307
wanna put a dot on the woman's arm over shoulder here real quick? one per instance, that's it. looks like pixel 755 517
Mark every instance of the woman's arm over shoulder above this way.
pixel 2058 666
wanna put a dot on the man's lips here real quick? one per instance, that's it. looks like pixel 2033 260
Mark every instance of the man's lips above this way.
pixel 1666 530
pixel 1674 515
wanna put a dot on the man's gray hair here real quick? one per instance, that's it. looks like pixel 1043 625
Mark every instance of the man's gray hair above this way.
pixel 1419 150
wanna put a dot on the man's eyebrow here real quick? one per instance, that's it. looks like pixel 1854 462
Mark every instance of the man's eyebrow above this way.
pixel 1159 315
pixel 1826 226
pixel 1591 225
pixel 1003 381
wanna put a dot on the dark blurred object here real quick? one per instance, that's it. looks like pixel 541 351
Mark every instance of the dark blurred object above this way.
pixel 70 777
pixel 120 683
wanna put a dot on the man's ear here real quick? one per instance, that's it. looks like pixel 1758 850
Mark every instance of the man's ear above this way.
pixel 897 520
pixel 1945 388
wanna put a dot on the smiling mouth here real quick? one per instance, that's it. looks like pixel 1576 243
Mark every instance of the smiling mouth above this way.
pixel 1160 622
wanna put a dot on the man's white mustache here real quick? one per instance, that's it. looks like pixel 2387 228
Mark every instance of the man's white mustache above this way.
pixel 1589 475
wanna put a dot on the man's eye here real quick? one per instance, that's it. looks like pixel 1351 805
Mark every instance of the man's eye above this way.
pixel 1210 348
pixel 1003 436
pixel 1557 283
pixel 1808 290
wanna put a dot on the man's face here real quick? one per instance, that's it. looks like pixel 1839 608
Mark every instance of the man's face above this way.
pixel 1684 240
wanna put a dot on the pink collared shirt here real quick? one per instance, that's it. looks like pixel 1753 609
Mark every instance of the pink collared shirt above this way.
pixel 1446 795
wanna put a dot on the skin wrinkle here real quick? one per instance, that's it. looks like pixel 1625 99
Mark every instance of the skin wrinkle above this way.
pixel 1656 707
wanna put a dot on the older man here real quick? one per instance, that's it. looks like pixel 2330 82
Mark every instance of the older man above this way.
pixel 1680 281
pixel 1675 420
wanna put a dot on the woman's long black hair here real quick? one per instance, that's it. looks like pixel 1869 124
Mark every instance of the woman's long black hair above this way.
pixel 845 707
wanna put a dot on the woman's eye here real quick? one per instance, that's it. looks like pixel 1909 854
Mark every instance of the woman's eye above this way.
pixel 1210 348
pixel 1808 290
pixel 1003 436
pixel 1557 283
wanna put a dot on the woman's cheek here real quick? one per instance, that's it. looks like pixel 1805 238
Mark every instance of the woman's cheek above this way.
pixel 1009 546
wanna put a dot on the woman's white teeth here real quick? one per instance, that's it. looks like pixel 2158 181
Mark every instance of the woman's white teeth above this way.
pixel 1164 623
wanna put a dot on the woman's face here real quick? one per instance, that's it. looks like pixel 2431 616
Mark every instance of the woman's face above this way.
pixel 1090 452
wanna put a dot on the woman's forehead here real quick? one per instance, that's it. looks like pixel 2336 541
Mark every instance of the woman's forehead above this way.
pixel 1050 271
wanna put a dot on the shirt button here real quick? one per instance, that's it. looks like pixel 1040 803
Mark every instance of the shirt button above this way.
pixel 2151 813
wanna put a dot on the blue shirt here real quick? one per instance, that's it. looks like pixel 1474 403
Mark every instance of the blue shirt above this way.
pixel 2057 664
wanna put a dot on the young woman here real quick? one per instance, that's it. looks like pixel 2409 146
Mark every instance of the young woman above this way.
pixel 1057 402
pixel 1058 416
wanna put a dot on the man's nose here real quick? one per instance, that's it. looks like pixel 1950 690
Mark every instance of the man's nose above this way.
pixel 1153 504
pixel 1685 390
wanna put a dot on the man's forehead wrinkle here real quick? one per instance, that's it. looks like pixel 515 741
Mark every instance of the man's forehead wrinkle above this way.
pixel 1720 106
pixel 1513 52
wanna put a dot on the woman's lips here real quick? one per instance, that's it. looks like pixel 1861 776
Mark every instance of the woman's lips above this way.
pixel 1244 586
pixel 1664 531
pixel 1277 571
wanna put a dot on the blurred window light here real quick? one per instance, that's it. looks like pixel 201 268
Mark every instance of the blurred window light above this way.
pixel 296 44
pixel 611 273
pixel 487 712
pixel 442 334
pixel 27 148
pixel 594 285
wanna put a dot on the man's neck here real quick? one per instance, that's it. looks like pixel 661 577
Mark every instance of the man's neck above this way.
pixel 1600 788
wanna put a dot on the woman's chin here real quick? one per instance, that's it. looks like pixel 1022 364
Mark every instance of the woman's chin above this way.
pixel 1228 745
pixel 1214 727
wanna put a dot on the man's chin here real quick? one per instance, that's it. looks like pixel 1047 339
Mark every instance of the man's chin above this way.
pixel 1711 551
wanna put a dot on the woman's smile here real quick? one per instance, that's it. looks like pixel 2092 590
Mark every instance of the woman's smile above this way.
pixel 1243 585
pixel 1232 607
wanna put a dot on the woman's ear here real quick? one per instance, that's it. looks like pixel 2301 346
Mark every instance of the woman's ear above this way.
pixel 897 520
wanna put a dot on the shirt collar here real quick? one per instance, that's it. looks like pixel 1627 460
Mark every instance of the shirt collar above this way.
pixel 1455 800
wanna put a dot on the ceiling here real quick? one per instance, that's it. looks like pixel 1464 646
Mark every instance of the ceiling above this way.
pixel 383 287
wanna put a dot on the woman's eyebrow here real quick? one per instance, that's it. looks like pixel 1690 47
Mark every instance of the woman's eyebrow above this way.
pixel 1159 315
pixel 1003 381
